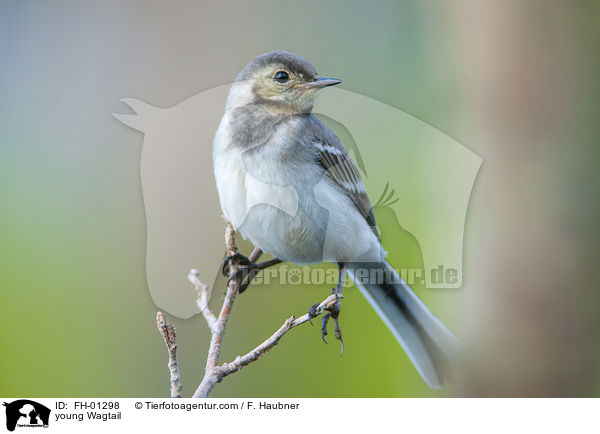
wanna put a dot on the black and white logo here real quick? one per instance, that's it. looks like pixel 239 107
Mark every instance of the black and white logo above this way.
pixel 26 413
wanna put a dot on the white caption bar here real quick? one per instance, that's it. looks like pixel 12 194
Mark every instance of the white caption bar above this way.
pixel 151 415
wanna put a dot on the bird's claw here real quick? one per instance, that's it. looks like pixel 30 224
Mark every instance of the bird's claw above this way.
pixel 228 261
pixel 333 313
pixel 324 326
pixel 338 333
pixel 245 269
pixel 244 275
pixel 312 312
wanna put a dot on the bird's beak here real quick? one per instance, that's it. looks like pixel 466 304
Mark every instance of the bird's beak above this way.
pixel 321 82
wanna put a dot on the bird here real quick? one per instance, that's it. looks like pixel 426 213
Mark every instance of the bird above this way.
pixel 287 184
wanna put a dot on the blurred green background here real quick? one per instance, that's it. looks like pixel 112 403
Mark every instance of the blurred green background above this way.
pixel 516 82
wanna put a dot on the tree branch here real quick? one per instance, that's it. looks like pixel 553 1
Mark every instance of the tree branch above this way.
pixel 167 330
pixel 213 372
pixel 290 323
pixel 202 300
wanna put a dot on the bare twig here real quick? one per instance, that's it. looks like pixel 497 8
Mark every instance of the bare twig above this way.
pixel 255 254
pixel 290 323
pixel 202 300
pixel 167 330
pixel 213 372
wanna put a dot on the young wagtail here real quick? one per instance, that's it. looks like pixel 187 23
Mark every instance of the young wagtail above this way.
pixel 287 184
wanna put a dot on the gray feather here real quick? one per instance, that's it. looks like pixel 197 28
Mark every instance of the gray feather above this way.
pixel 428 343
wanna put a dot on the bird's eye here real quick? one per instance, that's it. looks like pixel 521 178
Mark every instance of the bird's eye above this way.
pixel 281 77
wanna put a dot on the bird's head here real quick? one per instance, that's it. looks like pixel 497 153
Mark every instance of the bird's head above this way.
pixel 280 79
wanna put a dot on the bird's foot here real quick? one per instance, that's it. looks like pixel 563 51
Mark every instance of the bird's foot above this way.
pixel 312 312
pixel 333 314
pixel 244 275
pixel 236 258
pixel 245 270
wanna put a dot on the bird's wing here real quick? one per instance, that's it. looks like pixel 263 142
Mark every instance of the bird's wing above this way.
pixel 338 165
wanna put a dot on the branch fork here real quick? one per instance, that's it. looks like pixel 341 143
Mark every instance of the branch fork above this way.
pixel 213 372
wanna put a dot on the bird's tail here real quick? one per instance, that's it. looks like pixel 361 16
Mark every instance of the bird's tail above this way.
pixel 428 343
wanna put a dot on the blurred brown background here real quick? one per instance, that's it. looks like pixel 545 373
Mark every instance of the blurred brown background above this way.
pixel 533 70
